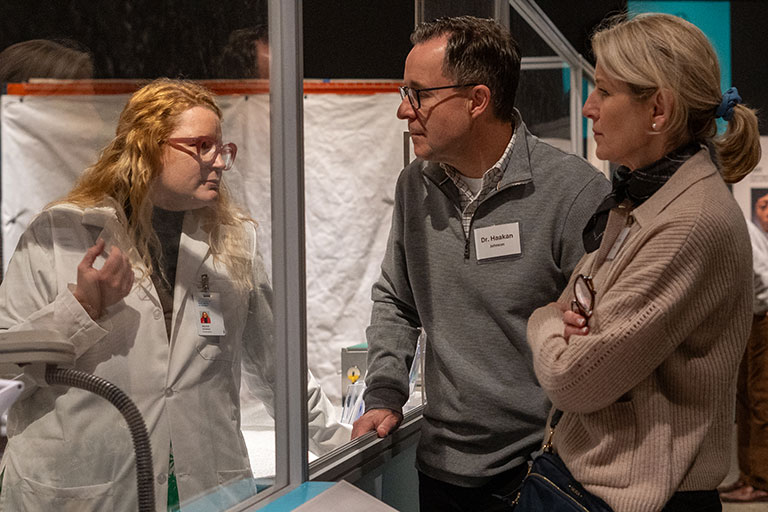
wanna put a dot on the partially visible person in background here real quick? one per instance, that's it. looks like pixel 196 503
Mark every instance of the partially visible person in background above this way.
pixel 63 59
pixel 42 58
pixel 246 54
pixel 752 383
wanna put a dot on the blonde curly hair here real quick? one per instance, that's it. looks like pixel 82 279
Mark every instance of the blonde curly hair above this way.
pixel 128 166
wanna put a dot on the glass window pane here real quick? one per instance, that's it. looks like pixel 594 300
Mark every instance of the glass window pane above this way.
pixel 531 43
pixel 198 367
pixel 543 98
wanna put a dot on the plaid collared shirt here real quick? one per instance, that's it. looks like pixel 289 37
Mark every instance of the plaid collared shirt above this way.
pixel 491 179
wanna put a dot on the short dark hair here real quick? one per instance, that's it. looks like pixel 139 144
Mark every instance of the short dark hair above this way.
pixel 478 51
pixel 239 59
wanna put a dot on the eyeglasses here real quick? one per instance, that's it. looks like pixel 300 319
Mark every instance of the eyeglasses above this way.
pixel 584 293
pixel 208 149
pixel 414 97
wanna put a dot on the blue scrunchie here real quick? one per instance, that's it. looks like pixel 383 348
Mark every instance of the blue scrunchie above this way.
pixel 730 99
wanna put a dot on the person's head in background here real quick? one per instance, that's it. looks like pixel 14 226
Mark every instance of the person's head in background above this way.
pixel 761 211
pixel 43 58
pixel 461 75
pixel 246 54
pixel 658 88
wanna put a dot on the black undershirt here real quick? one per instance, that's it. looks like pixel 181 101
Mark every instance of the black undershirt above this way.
pixel 167 225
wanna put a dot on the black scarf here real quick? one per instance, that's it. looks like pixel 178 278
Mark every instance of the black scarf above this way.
pixel 636 186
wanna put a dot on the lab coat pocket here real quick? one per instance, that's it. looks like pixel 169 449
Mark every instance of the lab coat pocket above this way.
pixel 214 348
pixel 32 495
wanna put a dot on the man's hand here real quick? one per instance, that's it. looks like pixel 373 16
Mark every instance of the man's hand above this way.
pixel 99 289
pixel 383 421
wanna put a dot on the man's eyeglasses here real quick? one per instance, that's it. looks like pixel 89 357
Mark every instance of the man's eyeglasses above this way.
pixel 207 149
pixel 584 293
pixel 414 97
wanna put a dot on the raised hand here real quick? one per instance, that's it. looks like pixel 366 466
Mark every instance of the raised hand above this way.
pixel 98 289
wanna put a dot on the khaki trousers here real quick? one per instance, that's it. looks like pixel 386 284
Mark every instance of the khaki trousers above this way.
pixel 752 407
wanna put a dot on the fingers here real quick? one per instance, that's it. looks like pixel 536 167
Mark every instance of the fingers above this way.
pixel 115 277
pixel 388 424
pixel 574 319
pixel 383 421
pixel 92 253
pixel 575 324
pixel 363 425
pixel 574 331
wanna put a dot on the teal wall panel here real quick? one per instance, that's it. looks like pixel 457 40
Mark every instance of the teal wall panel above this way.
pixel 712 17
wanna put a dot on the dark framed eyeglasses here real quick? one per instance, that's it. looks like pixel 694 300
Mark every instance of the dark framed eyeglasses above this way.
pixel 414 97
pixel 207 149
pixel 584 296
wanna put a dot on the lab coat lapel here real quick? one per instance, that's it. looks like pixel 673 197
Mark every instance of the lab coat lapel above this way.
pixel 193 250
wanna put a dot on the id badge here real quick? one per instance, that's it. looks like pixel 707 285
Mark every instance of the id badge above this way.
pixel 210 321
pixel 498 241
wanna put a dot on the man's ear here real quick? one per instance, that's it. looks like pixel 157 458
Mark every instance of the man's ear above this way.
pixel 663 102
pixel 480 100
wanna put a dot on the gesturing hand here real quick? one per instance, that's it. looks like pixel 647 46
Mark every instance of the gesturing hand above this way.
pixel 98 289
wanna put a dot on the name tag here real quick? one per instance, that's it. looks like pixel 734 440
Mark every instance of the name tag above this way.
pixel 497 241
pixel 209 319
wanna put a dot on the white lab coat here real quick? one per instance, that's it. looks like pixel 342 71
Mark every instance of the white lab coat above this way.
pixel 69 449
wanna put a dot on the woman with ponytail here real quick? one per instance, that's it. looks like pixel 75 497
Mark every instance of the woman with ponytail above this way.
pixel 641 351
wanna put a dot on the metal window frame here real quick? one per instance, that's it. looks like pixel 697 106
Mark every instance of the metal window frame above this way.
pixel 580 68
pixel 288 251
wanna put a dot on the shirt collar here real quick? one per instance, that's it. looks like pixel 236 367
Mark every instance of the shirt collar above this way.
pixel 695 169
pixel 495 172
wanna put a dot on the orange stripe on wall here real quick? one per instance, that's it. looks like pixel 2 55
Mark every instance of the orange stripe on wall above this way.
pixel 219 87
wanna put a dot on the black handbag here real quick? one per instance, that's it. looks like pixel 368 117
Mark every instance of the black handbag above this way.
pixel 550 487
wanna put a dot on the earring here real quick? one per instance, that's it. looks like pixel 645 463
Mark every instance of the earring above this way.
pixel 653 126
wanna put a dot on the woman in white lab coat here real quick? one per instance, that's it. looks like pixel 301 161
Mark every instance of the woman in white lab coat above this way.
pixel 144 247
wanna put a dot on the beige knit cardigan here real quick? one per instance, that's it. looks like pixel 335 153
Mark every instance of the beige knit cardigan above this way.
pixel 649 393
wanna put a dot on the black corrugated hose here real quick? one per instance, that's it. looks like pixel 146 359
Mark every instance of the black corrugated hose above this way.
pixel 105 389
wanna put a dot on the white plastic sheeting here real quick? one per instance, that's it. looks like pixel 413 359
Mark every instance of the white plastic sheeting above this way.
pixel 353 153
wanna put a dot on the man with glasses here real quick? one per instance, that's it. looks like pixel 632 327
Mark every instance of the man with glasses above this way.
pixel 486 227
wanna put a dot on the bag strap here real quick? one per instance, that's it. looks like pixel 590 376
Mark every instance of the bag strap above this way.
pixel 553 421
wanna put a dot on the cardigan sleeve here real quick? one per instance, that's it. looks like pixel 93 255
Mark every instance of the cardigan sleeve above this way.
pixel 679 276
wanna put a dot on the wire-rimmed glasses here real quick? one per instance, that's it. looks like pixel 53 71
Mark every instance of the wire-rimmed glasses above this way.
pixel 414 97
pixel 207 149
pixel 584 293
